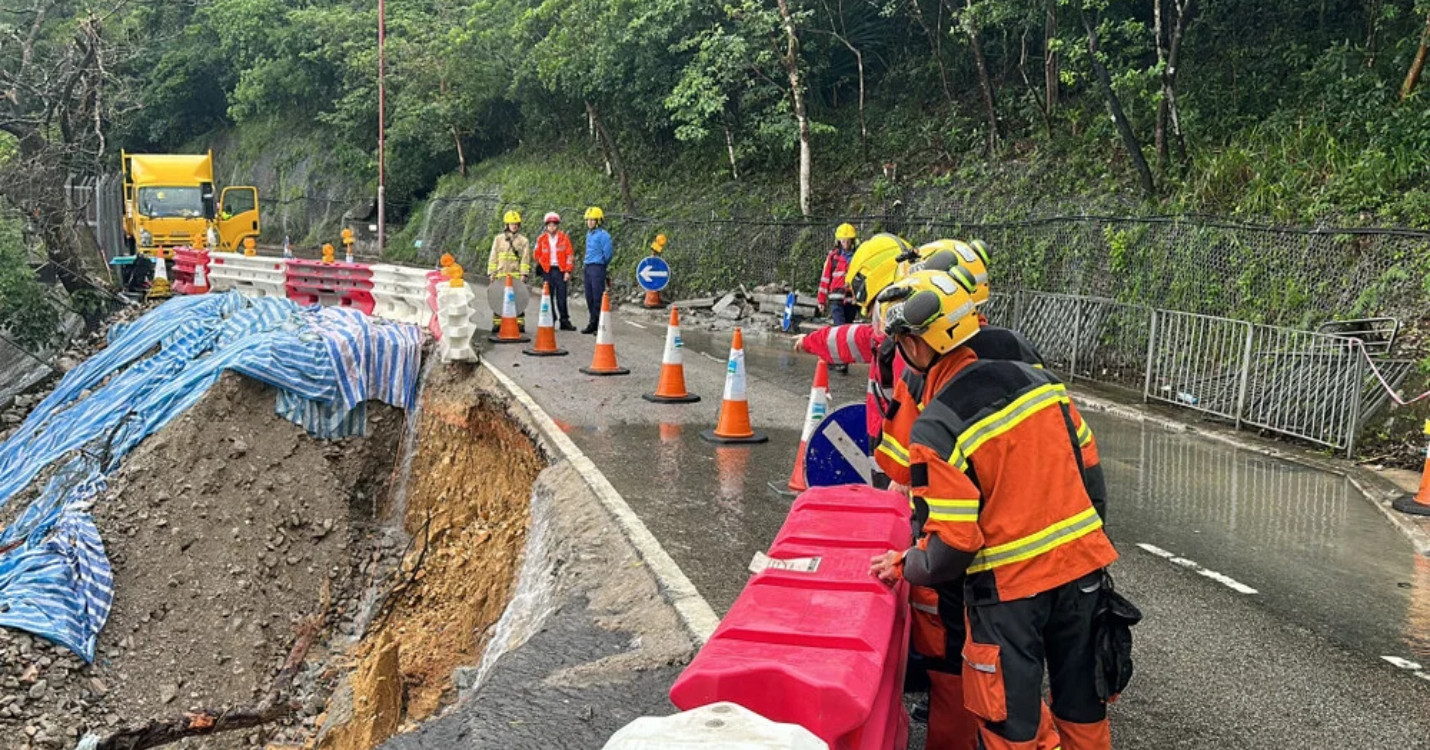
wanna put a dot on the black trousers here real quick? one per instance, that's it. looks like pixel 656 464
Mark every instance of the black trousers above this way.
pixel 557 279
pixel 595 287
pixel 1008 644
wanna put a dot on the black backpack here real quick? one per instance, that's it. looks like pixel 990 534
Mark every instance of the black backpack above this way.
pixel 1112 640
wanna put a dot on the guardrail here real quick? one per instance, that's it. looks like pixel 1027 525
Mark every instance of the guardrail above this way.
pixel 1309 385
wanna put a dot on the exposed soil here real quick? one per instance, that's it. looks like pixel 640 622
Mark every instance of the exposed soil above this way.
pixel 467 514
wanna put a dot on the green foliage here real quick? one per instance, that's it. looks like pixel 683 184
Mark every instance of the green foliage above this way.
pixel 27 315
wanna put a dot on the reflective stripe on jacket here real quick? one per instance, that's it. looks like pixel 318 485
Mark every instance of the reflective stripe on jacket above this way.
pixel 857 344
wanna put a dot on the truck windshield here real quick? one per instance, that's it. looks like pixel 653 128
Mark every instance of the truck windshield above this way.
pixel 171 202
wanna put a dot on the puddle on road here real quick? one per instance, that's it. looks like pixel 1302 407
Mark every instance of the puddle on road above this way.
pixel 712 531
pixel 1317 551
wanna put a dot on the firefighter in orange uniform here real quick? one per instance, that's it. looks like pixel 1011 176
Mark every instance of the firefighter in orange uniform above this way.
pixel 998 492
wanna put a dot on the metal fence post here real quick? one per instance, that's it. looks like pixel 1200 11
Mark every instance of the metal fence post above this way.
pixel 1357 387
pixel 1076 338
pixel 1245 375
pixel 1151 352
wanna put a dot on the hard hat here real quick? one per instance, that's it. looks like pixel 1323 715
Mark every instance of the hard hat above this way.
pixel 552 217
pixel 596 213
pixel 944 255
pixel 845 232
pixel 874 266
pixel 935 306
pixel 511 217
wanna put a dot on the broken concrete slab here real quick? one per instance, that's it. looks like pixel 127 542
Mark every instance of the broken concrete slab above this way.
pixel 698 303
pixel 724 304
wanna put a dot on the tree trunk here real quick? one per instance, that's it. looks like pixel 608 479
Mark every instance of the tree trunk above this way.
pixel 730 149
pixel 1159 133
pixel 613 156
pixel 1050 61
pixel 935 47
pixel 1114 108
pixel 461 154
pixel 1023 72
pixel 1412 77
pixel 985 83
pixel 1185 9
pixel 791 61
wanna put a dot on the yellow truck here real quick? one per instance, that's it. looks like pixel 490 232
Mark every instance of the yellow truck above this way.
pixel 169 203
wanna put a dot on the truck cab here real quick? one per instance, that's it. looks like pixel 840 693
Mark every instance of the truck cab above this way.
pixel 169 202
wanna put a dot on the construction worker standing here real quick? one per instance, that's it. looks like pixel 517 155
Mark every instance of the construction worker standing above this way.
pixel 998 494
pixel 599 253
pixel 554 260
pixel 510 257
pixel 833 292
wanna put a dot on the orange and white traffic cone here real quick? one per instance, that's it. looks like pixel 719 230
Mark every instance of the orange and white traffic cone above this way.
pixel 818 408
pixel 653 301
pixel 603 362
pixel 1419 503
pixel 671 388
pixel 159 286
pixel 545 345
pixel 733 425
pixel 510 332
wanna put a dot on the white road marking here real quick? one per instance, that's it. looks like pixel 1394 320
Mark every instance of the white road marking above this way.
pixel 711 357
pixel 1402 663
pixel 633 323
pixel 1192 565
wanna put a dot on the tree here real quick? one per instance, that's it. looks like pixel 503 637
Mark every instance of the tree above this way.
pixel 57 92
pixel 1114 105
pixel 1169 48
pixel 790 58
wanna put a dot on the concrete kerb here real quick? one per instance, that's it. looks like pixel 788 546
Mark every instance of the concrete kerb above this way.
pixel 694 611
pixel 1378 490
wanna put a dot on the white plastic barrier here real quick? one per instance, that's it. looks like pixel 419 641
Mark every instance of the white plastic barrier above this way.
pixel 251 275
pixel 456 314
pixel 718 726
pixel 400 293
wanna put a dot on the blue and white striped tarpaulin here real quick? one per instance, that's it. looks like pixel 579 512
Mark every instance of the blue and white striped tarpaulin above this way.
pixel 325 363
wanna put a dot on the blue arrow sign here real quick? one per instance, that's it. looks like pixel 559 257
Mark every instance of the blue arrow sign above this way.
pixel 788 322
pixel 653 274
pixel 838 451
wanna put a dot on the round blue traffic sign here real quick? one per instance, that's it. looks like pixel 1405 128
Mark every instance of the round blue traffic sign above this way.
pixel 787 323
pixel 653 274
pixel 838 451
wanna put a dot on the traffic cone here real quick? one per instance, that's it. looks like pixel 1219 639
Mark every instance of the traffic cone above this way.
pixel 603 362
pixel 671 388
pixel 510 332
pixel 818 407
pixel 545 330
pixel 201 280
pixel 1419 503
pixel 653 301
pixel 733 425
pixel 159 287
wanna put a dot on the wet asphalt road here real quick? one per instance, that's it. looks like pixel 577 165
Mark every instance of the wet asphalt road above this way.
pixel 1272 591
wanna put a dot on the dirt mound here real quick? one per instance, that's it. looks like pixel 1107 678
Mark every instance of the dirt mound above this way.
pixel 226 529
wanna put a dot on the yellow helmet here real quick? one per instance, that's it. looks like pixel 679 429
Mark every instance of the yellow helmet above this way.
pixel 596 213
pixel 511 217
pixel 875 265
pixel 845 232
pixel 942 255
pixel 935 306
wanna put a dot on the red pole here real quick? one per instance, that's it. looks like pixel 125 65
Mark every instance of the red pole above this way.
pixel 381 126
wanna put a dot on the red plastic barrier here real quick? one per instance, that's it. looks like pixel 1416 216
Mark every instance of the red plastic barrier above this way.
pixel 311 282
pixel 824 649
pixel 186 261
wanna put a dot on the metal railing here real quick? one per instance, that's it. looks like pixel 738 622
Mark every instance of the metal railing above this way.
pixel 1303 384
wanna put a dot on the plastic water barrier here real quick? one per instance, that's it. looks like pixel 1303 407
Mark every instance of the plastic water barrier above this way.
pixel 400 293
pixel 311 282
pixel 252 275
pixel 815 640
pixel 191 270
pixel 55 578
